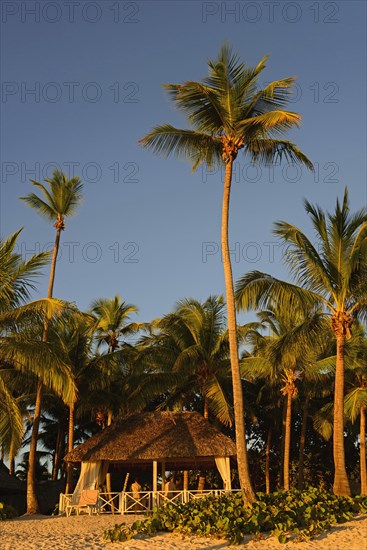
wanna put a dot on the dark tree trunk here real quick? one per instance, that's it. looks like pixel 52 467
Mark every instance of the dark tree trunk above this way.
pixel 282 445
pixel 302 443
pixel 362 451
pixel 267 462
pixel 287 440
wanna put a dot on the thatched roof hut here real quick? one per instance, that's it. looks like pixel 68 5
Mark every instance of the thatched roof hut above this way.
pixel 178 438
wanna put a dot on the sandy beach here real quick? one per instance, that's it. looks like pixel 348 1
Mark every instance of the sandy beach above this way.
pixel 85 532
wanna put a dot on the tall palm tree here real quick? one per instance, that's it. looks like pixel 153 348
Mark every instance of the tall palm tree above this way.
pixel 228 113
pixel 355 402
pixel 332 273
pixel 59 201
pixel 55 204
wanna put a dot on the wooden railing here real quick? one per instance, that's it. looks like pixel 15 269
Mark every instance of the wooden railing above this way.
pixel 145 501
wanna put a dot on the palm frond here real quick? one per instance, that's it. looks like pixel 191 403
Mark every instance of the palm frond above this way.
pixel 190 145
pixel 257 290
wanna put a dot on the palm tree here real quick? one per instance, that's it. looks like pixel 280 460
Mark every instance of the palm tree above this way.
pixel 74 334
pixel 332 274
pixel 26 362
pixel 191 345
pixel 228 114
pixel 16 275
pixel 111 316
pixel 17 279
pixel 355 402
pixel 284 357
pixel 59 201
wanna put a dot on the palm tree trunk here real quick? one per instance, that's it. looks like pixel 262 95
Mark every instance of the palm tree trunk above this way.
pixel 57 455
pixel 267 462
pixel 53 264
pixel 108 475
pixel 11 465
pixel 362 451
pixel 69 469
pixel 282 445
pixel 32 503
pixel 302 443
pixel 186 480
pixel 341 483
pixel 242 463
pixel 206 409
pixel 287 441
pixel 201 482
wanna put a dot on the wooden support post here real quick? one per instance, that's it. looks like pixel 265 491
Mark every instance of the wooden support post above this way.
pixel 155 475
pixel 163 474
pixel 228 466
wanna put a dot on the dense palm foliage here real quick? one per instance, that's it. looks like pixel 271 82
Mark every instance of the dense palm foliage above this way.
pixel 99 367
pixel 191 346
pixel 25 357
pixel 332 273
pixel 285 355
pixel 228 113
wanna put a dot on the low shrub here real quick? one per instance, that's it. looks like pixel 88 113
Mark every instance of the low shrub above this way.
pixel 7 512
pixel 303 514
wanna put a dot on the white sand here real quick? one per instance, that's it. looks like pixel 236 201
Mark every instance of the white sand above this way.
pixel 85 532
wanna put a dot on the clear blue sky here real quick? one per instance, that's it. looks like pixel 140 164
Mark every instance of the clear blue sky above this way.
pixel 97 70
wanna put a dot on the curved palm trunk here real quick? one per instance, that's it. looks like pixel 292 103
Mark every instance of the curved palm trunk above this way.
pixel 362 451
pixel 341 483
pixel 267 462
pixel 69 468
pixel 243 470
pixel 32 503
pixel 53 263
pixel 287 440
pixel 302 443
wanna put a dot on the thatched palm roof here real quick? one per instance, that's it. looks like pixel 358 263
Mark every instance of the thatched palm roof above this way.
pixel 169 436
